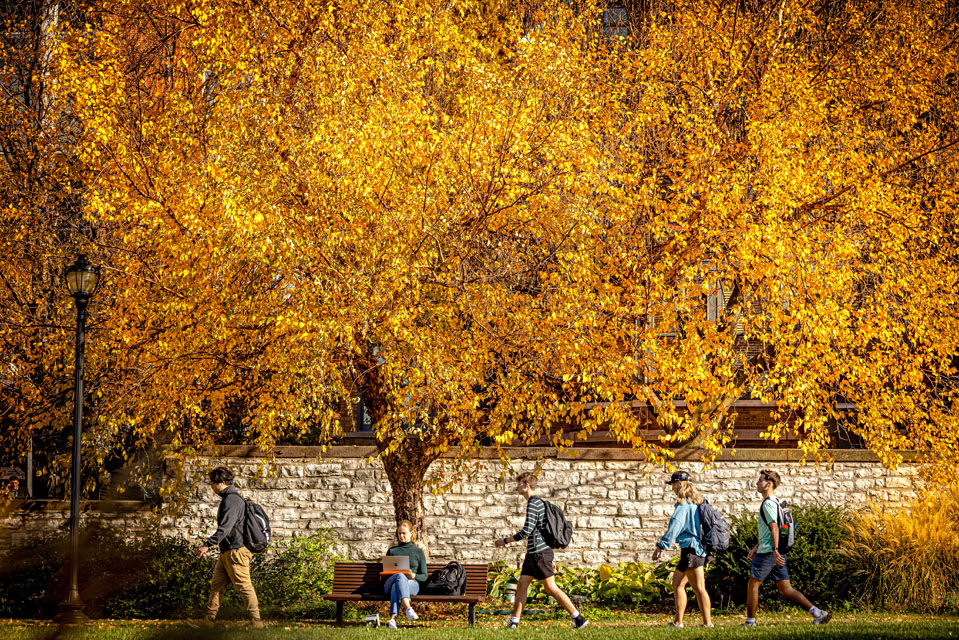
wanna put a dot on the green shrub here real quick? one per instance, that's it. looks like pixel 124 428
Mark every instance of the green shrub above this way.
pixel 634 583
pixel 154 576
pixel 629 583
pixel 815 566
pixel 293 577
pixel 162 578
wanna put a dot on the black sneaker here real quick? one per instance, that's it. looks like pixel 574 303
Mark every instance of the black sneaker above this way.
pixel 511 625
pixel 579 622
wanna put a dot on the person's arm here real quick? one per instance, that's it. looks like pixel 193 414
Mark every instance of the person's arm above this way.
pixel 531 518
pixel 420 574
pixel 233 509
pixel 672 531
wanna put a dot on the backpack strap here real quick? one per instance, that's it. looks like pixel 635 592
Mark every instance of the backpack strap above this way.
pixel 241 523
pixel 762 512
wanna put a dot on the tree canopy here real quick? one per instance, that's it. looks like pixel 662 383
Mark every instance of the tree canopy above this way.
pixel 489 220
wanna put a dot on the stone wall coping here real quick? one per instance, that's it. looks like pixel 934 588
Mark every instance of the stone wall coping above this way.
pixel 534 453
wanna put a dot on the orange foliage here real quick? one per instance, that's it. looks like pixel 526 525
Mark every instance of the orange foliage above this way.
pixel 480 218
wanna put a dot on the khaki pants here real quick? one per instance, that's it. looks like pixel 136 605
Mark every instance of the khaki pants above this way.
pixel 233 566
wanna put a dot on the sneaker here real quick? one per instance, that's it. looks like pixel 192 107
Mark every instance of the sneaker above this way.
pixel 411 615
pixel 822 618
pixel 748 624
pixel 709 626
pixel 391 624
pixel 256 623
pixel 579 622
pixel 673 623
pixel 201 623
pixel 511 625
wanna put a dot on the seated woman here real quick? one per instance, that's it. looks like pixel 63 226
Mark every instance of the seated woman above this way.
pixel 398 586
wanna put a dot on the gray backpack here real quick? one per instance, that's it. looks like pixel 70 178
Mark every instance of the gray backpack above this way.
pixel 787 526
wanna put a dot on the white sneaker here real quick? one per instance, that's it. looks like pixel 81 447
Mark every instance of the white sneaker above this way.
pixel 411 615
pixel 822 618
pixel 391 624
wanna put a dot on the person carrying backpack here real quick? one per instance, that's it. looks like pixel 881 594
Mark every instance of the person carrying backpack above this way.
pixel 538 563
pixel 233 565
pixel 769 555
pixel 685 528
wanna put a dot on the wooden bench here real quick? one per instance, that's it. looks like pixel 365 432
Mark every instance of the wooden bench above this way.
pixel 360 582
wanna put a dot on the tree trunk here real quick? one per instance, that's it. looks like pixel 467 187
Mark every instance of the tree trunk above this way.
pixel 406 468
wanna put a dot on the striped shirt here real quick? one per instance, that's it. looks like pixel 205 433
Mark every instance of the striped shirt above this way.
pixel 535 520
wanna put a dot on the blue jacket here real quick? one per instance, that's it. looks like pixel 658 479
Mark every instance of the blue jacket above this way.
pixel 684 526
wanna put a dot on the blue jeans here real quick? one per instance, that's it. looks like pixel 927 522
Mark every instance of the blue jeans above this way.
pixel 397 587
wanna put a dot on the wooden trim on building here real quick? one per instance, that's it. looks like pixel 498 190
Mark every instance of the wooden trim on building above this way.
pixel 535 453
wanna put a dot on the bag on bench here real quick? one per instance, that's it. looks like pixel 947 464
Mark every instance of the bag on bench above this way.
pixel 448 581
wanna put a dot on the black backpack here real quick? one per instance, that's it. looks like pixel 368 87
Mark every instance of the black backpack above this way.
pixel 557 530
pixel 787 526
pixel 256 528
pixel 715 528
pixel 448 581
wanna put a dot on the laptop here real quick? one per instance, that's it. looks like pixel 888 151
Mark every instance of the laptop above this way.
pixel 396 563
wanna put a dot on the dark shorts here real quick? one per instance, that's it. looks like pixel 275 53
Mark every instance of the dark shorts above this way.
pixel 764 566
pixel 689 560
pixel 539 565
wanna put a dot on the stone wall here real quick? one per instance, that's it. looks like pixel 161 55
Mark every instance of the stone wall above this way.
pixel 618 506
pixel 24 520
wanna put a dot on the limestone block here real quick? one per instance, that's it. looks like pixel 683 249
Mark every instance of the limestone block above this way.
pixel 333 482
pixel 457 507
pixel 359 496
pixel 633 508
pixel 897 482
pixel 497 513
pixel 324 469
pixel 662 510
pixel 608 535
pixel 367 551
pixel 603 509
pixel 596 522
pixel 585 537
pixel 627 523
pixel 593 558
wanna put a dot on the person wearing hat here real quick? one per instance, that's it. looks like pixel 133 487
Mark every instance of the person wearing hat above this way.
pixel 685 528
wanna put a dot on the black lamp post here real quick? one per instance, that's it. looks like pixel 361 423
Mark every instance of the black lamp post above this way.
pixel 82 279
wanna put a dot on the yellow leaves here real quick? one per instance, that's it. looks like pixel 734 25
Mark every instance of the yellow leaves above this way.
pixel 360 199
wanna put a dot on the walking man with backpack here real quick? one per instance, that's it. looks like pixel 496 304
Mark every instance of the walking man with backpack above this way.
pixel 538 563
pixel 769 555
pixel 233 565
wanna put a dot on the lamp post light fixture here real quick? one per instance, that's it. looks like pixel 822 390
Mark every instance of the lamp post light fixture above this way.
pixel 82 279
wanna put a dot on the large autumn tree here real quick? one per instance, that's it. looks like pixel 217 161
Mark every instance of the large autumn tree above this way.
pixel 490 221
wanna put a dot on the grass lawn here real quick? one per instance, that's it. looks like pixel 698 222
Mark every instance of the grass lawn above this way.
pixel 537 627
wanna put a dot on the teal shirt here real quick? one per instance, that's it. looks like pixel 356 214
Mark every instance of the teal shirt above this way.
pixel 416 556
pixel 769 512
